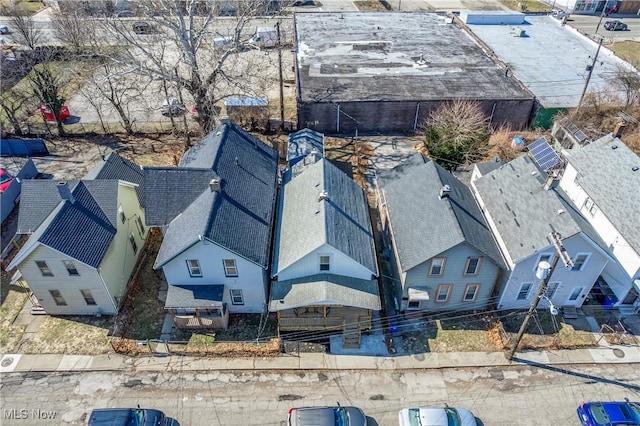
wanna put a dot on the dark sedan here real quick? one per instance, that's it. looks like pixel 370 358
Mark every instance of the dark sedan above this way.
pixel 615 26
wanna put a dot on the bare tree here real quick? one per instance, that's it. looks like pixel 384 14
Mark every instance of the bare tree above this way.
pixel 26 30
pixel 74 30
pixel 182 53
pixel 46 82
pixel 13 103
pixel 628 80
pixel 457 132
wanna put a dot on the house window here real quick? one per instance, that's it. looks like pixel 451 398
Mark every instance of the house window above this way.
pixel 473 265
pixel 57 297
pixel 88 297
pixel 444 290
pixel 525 288
pixel 230 269
pixel 575 293
pixel 194 268
pixel 590 207
pixel 71 268
pixel 132 240
pixel 551 289
pixel 44 269
pixel 544 257
pixel 325 263
pixel 579 261
pixel 437 266
pixel 471 292
pixel 413 304
pixel 140 226
pixel 123 218
pixel 236 297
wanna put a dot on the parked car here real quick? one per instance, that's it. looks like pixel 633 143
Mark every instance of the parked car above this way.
pixel 4 29
pixel 326 416
pixel 128 417
pixel 171 107
pixel 141 27
pixel 48 114
pixel 615 26
pixel 5 180
pixel 298 3
pixel 436 416
pixel 609 413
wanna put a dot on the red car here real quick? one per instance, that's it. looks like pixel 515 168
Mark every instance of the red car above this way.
pixel 48 114
pixel 5 180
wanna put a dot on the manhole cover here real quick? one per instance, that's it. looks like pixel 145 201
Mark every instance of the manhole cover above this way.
pixel 618 352
pixel 6 361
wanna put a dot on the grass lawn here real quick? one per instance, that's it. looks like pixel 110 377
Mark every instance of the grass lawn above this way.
pixel 29 7
pixel 531 5
pixel 81 335
pixel 627 50
pixel 12 299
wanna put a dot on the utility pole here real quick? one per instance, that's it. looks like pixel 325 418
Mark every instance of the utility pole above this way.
pixel 601 16
pixel 281 78
pixel 590 70
pixel 561 254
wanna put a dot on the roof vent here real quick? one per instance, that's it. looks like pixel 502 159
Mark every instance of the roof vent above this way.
pixel 323 196
pixel 560 211
pixel 237 161
pixel 444 191
pixel 635 168
pixel 65 191
pixel 614 146
pixel 215 185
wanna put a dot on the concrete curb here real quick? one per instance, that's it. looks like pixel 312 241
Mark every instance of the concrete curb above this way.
pixel 27 363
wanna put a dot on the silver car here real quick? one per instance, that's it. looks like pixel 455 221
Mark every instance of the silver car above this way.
pixel 326 416
pixel 436 416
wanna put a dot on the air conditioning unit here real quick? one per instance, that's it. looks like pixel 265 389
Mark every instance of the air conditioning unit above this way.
pixel 519 32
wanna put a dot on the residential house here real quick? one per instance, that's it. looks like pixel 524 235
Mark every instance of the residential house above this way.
pixel 324 264
pixel 441 248
pixel 602 180
pixel 522 208
pixel 216 210
pixel 85 238
pixel 302 143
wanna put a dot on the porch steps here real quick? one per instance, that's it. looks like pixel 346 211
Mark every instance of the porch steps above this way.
pixel 569 312
pixel 37 310
pixel 351 336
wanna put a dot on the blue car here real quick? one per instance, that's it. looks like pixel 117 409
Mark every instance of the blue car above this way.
pixel 609 413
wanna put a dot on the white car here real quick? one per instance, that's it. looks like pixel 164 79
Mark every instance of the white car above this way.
pixel 4 29
pixel 436 416
pixel 171 107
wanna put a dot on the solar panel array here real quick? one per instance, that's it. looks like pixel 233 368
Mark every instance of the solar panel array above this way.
pixel 577 133
pixel 543 154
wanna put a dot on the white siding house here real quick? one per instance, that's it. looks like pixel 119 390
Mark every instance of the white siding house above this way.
pixel 522 210
pixel 602 180
pixel 85 239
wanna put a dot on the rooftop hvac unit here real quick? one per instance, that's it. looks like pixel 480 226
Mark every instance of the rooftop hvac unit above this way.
pixel 519 32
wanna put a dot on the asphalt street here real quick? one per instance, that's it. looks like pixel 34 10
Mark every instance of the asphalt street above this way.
pixel 507 395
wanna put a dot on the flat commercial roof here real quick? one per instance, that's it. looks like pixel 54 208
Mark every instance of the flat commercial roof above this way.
pixel 551 60
pixel 394 56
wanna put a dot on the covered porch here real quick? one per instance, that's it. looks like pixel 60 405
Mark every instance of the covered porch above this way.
pixel 198 307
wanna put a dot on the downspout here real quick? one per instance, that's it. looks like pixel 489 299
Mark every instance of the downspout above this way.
pixel 415 121
pixel 338 119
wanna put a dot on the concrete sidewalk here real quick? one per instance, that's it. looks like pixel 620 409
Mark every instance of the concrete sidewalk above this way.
pixel 13 363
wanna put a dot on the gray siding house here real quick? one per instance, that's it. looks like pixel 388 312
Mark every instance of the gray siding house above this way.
pixel 440 246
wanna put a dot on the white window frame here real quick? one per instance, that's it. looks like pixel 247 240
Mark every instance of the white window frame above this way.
pixel 552 289
pixel 140 226
pixel 439 292
pixel 527 293
pixel 442 265
pixel 58 299
pixel 193 265
pixel 577 291
pixel 325 266
pixel 587 256
pixel 476 290
pixel 44 268
pixel 88 297
pixel 132 241
pixel 476 270
pixel 230 270
pixel 71 268
pixel 590 207
pixel 123 217
pixel 543 256
pixel 236 296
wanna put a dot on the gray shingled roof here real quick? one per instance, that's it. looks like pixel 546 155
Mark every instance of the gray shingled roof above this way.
pixel 302 142
pixel 38 198
pixel 607 176
pixel 425 225
pixel 239 218
pixel 116 167
pixel 85 228
pixel 524 212
pixel 324 289
pixel 342 221
pixel 489 166
pixel 194 296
